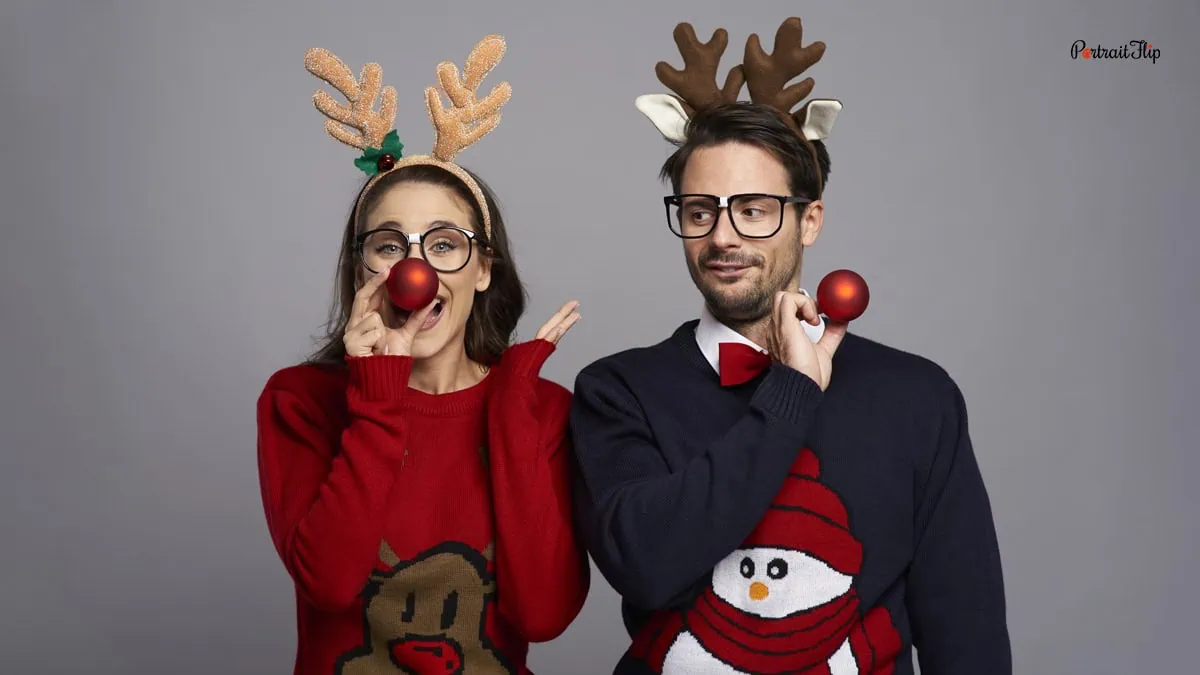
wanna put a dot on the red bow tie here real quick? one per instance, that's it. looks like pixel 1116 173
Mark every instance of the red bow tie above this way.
pixel 740 363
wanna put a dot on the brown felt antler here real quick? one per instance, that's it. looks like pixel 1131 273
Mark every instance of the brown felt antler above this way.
pixel 696 84
pixel 359 114
pixel 767 75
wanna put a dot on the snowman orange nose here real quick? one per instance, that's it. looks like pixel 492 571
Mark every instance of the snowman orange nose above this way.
pixel 758 591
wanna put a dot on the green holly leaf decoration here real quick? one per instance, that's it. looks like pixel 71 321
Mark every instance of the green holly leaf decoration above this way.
pixel 368 162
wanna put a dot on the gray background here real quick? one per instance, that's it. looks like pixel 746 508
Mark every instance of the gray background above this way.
pixel 171 211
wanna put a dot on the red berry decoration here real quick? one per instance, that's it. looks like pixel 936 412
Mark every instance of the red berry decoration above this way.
pixel 843 296
pixel 385 163
pixel 412 284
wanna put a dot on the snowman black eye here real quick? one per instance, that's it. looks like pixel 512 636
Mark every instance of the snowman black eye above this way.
pixel 747 567
pixel 777 569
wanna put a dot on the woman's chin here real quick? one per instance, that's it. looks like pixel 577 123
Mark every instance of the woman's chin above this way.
pixel 431 341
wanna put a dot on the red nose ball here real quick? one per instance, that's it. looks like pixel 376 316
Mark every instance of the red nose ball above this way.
pixel 843 295
pixel 412 284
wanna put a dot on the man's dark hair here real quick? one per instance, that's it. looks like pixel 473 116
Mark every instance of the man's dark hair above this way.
pixel 757 125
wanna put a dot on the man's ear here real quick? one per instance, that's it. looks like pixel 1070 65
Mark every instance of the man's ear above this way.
pixel 810 223
pixel 666 113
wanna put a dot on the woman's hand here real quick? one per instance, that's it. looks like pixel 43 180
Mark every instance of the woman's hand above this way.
pixel 558 325
pixel 367 333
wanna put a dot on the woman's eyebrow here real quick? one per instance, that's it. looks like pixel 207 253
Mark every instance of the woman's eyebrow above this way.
pixel 393 225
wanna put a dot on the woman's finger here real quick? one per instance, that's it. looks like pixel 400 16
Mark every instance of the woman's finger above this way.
pixel 368 320
pixel 561 329
pixel 412 325
pixel 552 325
pixel 365 296
pixel 363 343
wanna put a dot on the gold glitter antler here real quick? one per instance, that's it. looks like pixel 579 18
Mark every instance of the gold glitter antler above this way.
pixel 360 115
pixel 470 119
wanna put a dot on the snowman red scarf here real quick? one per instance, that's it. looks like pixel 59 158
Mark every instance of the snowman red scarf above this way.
pixel 759 645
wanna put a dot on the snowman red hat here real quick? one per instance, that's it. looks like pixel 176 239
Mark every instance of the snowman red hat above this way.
pixel 807 516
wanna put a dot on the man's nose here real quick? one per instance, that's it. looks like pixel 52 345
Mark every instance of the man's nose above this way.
pixel 723 234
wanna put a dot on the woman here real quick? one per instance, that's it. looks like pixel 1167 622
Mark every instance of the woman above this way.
pixel 415 472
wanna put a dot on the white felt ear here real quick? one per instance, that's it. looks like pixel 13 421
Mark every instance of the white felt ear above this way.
pixel 666 113
pixel 819 116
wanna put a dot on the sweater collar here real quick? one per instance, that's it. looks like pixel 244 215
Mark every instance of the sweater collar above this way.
pixel 710 333
pixel 466 401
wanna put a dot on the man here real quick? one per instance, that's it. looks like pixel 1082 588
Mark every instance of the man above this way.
pixel 769 493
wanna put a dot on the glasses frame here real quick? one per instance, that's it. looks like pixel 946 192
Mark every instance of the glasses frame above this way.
pixel 417 239
pixel 674 202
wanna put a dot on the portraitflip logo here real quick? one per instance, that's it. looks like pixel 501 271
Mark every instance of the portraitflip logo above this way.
pixel 1134 49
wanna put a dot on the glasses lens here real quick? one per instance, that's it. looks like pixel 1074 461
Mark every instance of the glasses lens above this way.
pixel 383 248
pixel 447 249
pixel 693 216
pixel 756 215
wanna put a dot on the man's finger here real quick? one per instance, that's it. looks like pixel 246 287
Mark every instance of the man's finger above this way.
pixel 777 312
pixel 831 338
pixel 808 309
pixel 789 310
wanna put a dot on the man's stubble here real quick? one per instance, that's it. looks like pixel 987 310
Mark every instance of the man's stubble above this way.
pixel 752 305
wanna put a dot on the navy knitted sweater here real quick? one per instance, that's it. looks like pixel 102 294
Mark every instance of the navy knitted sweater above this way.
pixel 771 527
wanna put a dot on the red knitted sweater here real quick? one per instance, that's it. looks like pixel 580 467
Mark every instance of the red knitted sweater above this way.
pixel 424 533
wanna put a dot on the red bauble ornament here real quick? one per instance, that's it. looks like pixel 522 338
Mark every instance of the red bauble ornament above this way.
pixel 843 295
pixel 385 163
pixel 412 283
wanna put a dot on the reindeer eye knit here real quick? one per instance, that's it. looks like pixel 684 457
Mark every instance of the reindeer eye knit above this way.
pixel 409 522
pixel 770 527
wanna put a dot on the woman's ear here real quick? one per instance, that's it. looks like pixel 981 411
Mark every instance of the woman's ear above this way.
pixel 485 273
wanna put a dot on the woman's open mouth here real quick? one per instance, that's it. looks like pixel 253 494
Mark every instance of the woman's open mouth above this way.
pixel 439 306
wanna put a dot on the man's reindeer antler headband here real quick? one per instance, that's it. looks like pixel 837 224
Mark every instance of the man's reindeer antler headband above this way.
pixel 766 76
pixel 360 125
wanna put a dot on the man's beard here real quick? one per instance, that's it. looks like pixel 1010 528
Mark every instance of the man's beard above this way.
pixel 747 304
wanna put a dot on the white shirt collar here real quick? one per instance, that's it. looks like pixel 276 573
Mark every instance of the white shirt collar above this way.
pixel 710 333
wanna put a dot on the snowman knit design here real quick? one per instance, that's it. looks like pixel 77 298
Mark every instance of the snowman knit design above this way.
pixel 784 602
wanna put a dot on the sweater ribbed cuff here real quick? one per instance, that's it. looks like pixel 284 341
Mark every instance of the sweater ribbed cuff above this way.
pixel 524 361
pixel 379 378
pixel 787 394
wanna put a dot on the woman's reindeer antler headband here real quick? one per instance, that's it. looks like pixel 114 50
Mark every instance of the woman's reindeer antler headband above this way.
pixel 360 125
pixel 765 75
